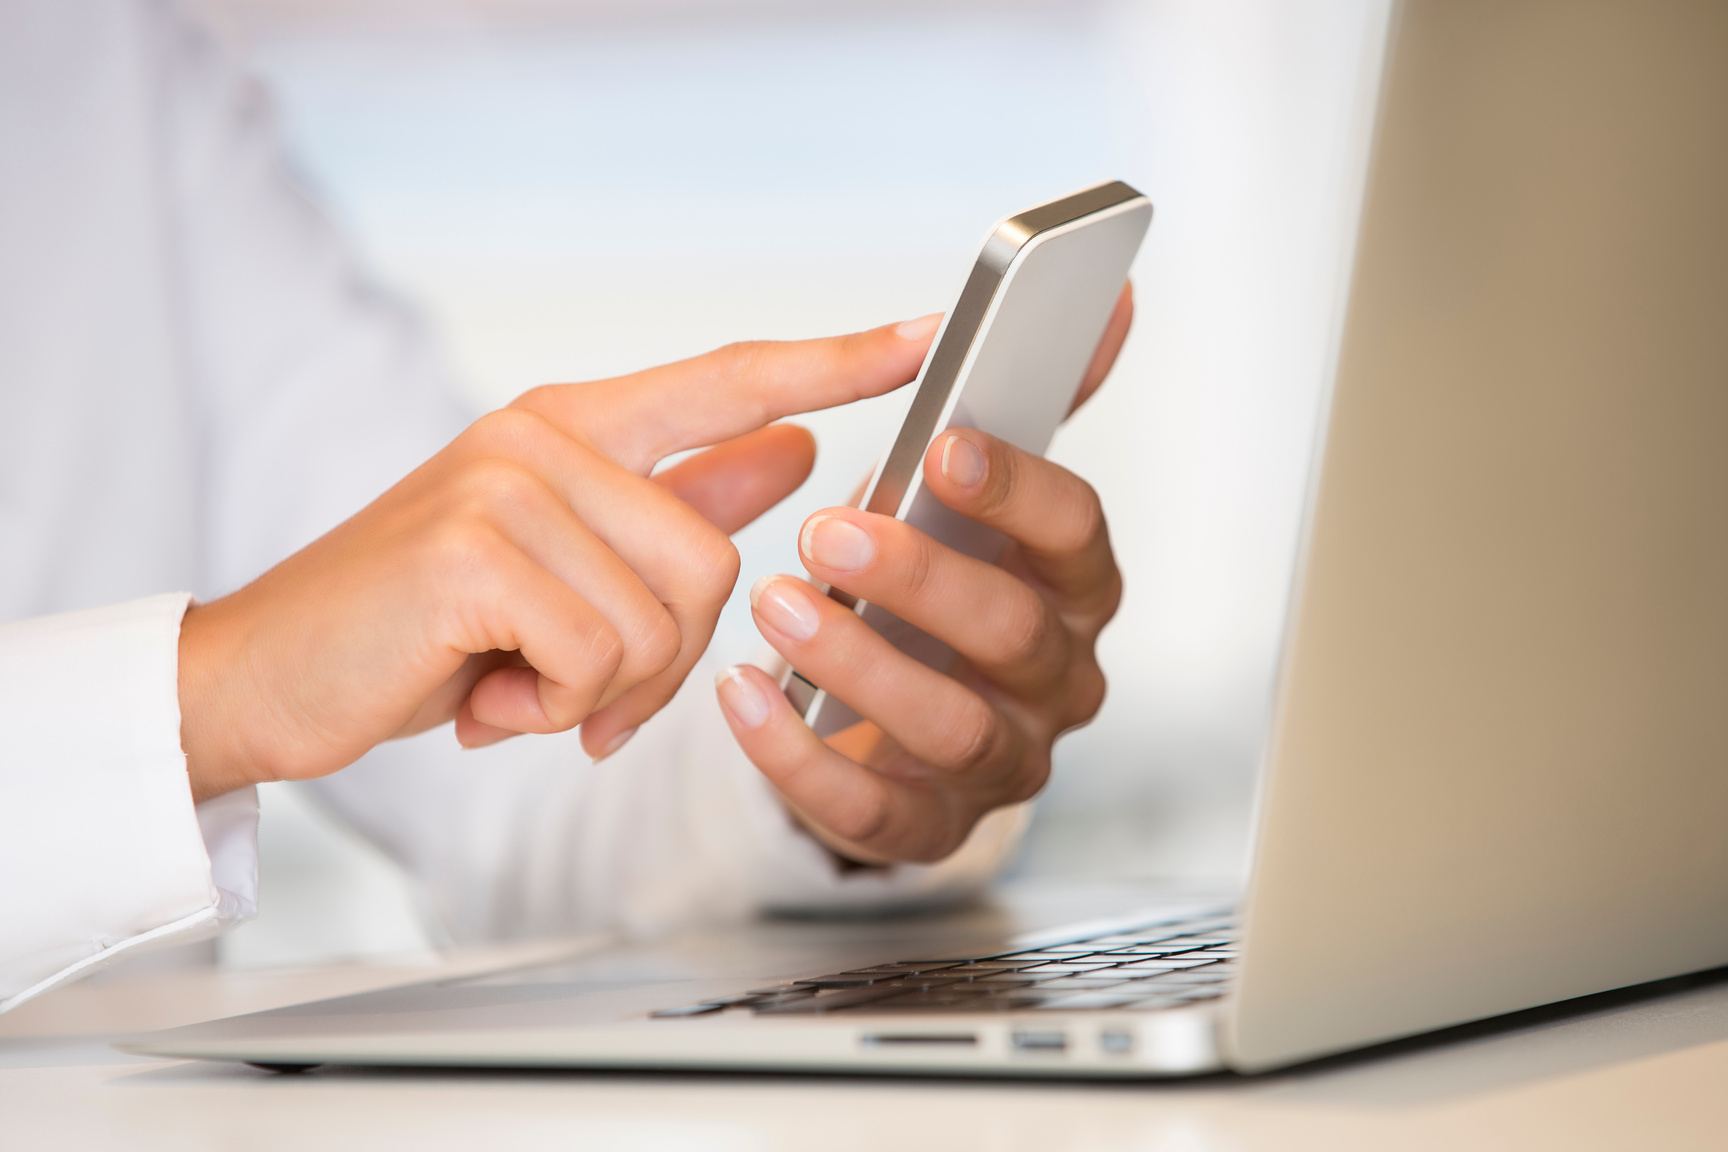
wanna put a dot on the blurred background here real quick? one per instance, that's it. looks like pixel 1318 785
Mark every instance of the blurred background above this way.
pixel 575 188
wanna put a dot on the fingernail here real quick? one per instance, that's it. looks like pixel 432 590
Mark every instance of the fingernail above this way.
pixel 834 542
pixel 920 329
pixel 783 609
pixel 742 700
pixel 615 743
pixel 962 462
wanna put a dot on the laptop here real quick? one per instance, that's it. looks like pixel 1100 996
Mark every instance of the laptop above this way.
pixel 1498 768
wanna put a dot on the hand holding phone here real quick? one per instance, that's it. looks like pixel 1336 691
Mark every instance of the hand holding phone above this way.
pixel 1015 631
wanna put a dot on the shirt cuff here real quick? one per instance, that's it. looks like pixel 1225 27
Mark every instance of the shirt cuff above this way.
pixel 103 851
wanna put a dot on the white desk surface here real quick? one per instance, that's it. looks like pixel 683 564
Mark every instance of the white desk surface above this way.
pixel 1645 1072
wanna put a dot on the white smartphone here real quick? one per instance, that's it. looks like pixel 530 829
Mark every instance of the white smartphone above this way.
pixel 1007 360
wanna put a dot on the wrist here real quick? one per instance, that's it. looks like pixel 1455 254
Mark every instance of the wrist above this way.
pixel 211 724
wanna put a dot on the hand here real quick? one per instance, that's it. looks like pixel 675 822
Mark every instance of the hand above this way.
pixel 937 752
pixel 530 577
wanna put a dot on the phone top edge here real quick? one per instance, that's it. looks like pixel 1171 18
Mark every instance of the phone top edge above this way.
pixel 1018 230
pixel 960 329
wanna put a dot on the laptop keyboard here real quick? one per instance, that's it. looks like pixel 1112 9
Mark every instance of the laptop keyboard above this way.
pixel 1159 966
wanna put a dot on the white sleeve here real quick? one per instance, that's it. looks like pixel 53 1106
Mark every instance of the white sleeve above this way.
pixel 101 850
pixel 528 838
pixel 317 389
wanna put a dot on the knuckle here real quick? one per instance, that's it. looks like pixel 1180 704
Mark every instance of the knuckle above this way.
pixel 1112 590
pixel 864 817
pixel 1089 610
pixel 660 642
pixel 563 708
pixel 1086 697
pixel 707 569
pixel 534 398
pixel 715 562
pixel 605 654
pixel 969 737
pixel 1030 780
pixel 492 484
pixel 741 359
pixel 1082 519
pixel 1023 632
pixel 919 581
pixel 462 547
pixel 509 430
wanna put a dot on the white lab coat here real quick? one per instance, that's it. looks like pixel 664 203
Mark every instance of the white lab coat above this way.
pixel 194 382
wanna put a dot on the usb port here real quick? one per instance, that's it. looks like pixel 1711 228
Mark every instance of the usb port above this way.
pixel 1040 1041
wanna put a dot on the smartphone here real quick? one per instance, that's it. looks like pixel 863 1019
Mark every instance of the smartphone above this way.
pixel 1007 360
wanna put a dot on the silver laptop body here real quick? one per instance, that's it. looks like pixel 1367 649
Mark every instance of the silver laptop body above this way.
pixel 1498 772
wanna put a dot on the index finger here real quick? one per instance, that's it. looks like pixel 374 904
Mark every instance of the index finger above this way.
pixel 640 419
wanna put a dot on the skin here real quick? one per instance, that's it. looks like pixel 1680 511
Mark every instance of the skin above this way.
pixel 535 575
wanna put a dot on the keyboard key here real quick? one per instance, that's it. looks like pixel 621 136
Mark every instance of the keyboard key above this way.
pixel 882 970
pixel 1177 999
pixel 1190 978
pixel 947 1000
pixel 688 1010
pixel 824 1001
pixel 1038 957
pixel 934 996
pixel 1088 1000
pixel 935 980
pixel 1079 983
pixel 756 1004
pixel 1153 1003
pixel 1133 939
pixel 842 981
pixel 999 987
pixel 1127 949
pixel 1011 1003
